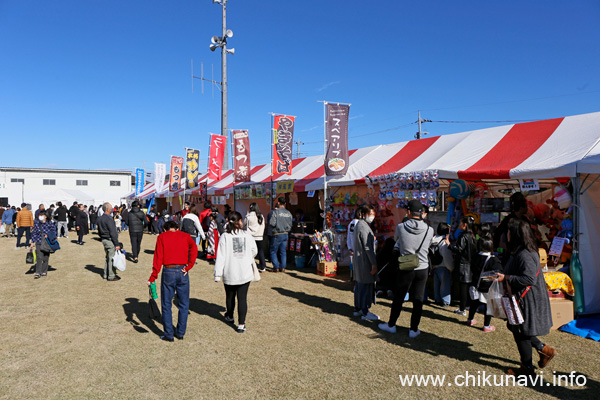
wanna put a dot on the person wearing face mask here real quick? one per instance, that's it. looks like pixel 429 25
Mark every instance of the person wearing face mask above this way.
pixel 42 229
pixel 413 237
pixel 365 265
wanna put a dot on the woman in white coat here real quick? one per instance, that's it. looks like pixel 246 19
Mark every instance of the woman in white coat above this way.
pixel 235 255
pixel 255 225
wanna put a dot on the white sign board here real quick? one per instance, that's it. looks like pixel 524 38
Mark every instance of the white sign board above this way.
pixel 557 246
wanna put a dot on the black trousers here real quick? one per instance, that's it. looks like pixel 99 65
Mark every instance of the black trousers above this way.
pixel 136 242
pixel 473 306
pixel 415 281
pixel 261 254
pixel 525 344
pixel 80 237
pixel 464 295
pixel 241 292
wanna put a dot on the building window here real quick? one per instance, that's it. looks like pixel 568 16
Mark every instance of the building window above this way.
pixel 81 182
pixel 49 182
pixel 17 180
pixel 115 183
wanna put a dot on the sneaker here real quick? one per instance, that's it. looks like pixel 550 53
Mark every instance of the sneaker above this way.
pixel 490 328
pixel 370 317
pixel 241 329
pixel 460 312
pixel 17 248
pixel 228 319
pixel 385 327
pixel 262 270
pixel 471 322
pixel 357 314
pixel 413 334
pixel 166 339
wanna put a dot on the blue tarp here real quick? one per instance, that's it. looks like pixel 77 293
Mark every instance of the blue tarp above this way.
pixel 588 327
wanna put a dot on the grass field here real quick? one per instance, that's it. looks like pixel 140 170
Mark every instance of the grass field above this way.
pixel 74 335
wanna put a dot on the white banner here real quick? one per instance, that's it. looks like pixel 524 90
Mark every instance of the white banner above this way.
pixel 160 173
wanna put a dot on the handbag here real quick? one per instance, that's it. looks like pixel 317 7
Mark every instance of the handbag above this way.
pixel 45 247
pixel 119 261
pixel 53 244
pixel 511 305
pixel 411 261
pixel 255 273
pixel 29 257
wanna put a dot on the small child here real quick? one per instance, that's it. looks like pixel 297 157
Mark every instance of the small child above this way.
pixel 486 262
pixel 117 219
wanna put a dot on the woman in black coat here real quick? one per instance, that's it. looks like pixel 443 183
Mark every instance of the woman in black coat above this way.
pixel 81 224
pixel 522 273
pixel 465 252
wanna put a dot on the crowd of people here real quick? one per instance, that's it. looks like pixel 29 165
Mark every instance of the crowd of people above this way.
pixel 399 268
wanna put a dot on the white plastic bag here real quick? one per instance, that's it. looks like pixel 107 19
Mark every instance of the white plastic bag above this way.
pixel 2 229
pixel 494 300
pixel 119 260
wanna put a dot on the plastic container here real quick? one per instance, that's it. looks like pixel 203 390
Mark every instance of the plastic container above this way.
pixel 300 261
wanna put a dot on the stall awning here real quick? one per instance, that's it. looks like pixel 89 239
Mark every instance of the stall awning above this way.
pixel 542 149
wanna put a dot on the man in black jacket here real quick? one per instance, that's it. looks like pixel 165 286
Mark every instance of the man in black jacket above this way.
pixel 136 221
pixel 61 216
pixel 110 240
pixel 73 211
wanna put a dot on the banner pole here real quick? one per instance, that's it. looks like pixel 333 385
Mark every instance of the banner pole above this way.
pixel 186 179
pixel 324 166
pixel 233 167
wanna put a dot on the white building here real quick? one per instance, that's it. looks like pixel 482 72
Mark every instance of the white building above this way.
pixel 47 186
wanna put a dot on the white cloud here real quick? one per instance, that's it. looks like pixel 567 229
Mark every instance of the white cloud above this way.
pixel 325 86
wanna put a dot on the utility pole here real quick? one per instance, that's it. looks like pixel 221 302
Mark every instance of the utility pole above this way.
pixel 419 121
pixel 298 144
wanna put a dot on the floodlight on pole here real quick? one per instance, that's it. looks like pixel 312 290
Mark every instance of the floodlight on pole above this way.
pixel 222 43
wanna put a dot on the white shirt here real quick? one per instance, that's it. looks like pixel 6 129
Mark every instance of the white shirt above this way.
pixel 235 257
pixel 350 234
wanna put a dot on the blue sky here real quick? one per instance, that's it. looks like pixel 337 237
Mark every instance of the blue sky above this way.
pixel 106 84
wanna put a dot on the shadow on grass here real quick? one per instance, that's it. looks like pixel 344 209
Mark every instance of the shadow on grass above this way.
pixel 97 239
pixel 339 284
pixel 149 251
pixel 326 305
pixel 96 270
pixel 134 308
pixel 212 310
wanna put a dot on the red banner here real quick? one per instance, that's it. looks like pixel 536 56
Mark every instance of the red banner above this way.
pixel 241 156
pixel 217 152
pixel 175 176
pixel 283 140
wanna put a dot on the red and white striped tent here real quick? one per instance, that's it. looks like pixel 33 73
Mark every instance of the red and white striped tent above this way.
pixel 556 148
pixel 146 192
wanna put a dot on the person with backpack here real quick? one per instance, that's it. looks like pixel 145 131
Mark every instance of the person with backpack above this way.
pixel 190 224
pixel 237 249
pixel 442 263
pixel 465 251
pixel 412 254
pixel 215 229
pixel 486 263
pixel 136 220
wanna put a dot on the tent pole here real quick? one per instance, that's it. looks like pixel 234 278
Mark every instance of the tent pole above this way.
pixel 576 210
pixel 324 166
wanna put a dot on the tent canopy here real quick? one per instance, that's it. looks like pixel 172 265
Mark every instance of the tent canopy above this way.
pixel 552 148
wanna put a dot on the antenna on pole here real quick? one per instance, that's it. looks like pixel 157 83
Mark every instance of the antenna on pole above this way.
pixel 202 78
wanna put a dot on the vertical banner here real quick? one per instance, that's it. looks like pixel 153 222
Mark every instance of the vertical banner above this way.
pixel 160 173
pixel 217 152
pixel 283 140
pixel 139 181
pixel 241 159
pixel 191 165
pixel 336 160
pixel 175 177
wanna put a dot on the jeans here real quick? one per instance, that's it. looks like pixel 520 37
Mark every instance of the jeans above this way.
pixel 415 281
pixel 92 226
pixel 442 285
pixel 136 242
pixel 241 291
pixel 27 231
pixel 123 226
pixel 63 225
pixel 363 296
pixel 41 267
pixel 109 250
pixel 279 246
pixel 174 281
